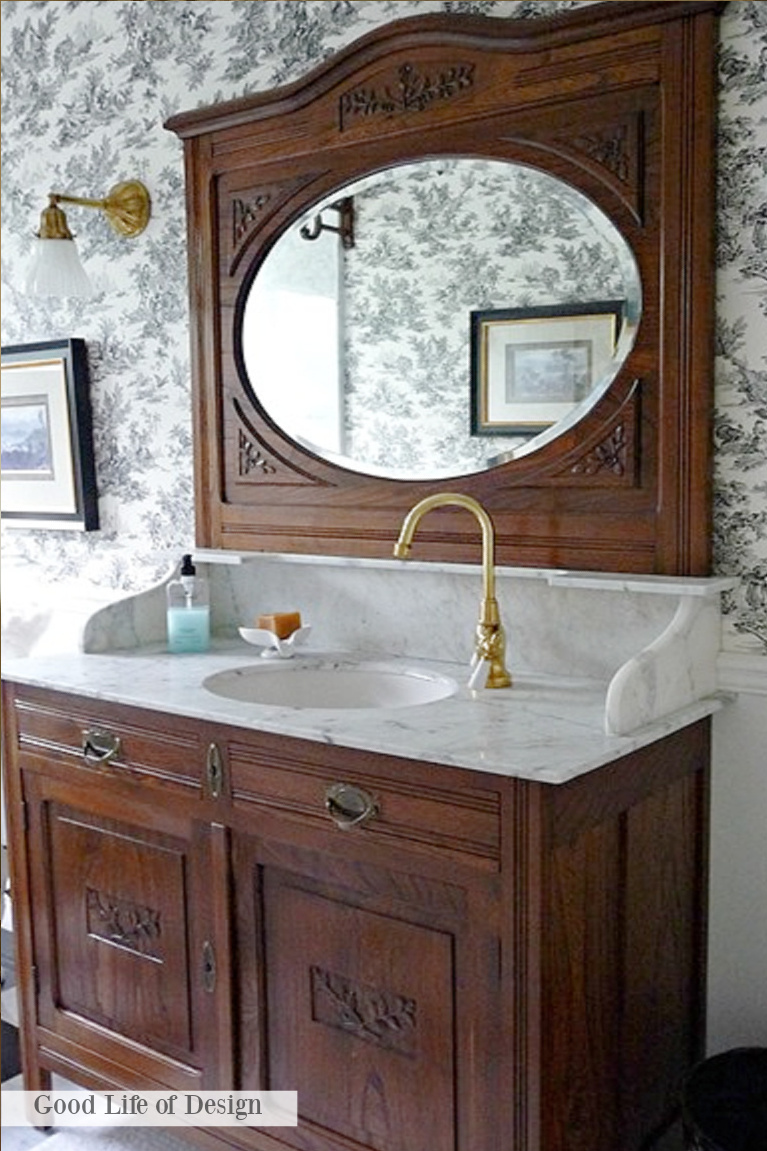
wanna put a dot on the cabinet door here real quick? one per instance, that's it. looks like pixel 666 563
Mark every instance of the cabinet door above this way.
pixel 121 907
pixel 368 990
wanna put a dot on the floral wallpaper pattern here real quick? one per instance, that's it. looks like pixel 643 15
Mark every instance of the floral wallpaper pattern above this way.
pixel 86 87
pixel 740 432
pixel 434 241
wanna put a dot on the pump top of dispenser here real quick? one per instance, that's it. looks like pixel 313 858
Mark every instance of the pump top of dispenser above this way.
pixel 187 574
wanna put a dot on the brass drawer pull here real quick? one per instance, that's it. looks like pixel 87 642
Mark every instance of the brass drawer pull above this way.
pixel 100 746
pixel 349 806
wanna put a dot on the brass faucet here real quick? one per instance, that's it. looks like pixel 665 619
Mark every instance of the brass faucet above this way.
pixel 490 647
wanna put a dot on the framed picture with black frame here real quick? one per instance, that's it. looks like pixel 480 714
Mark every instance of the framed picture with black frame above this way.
pixel 47 473
pixel 531 366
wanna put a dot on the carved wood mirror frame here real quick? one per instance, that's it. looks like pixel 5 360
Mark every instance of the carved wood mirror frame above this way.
pixel 618 100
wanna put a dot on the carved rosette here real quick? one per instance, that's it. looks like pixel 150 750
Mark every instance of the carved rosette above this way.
pixel 252 462
pixel 370 1013
pixel 618 149
pixel 410 90
pixel 610 148
pixel 610 457
pixel 244 211
pixel 251 459
pixel 123 922
pixel 246 214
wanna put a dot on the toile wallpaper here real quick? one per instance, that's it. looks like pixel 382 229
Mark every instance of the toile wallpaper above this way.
pixel 86 87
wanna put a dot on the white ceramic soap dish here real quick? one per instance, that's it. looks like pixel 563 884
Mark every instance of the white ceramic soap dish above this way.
pixel 275 648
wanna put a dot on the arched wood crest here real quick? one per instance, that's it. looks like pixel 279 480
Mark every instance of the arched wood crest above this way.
pixel 615 98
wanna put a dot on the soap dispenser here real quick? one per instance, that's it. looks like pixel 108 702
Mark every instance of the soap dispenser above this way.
pixel 188 610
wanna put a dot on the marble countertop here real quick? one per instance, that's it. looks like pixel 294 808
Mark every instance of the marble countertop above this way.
pixel 544 728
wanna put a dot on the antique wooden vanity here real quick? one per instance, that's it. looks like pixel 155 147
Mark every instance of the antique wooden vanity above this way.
pixel 492 961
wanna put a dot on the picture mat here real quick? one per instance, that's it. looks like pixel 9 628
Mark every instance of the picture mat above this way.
pixel 41 381
pixel 499 340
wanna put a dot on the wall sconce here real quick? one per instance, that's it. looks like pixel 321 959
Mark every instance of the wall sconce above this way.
pixel 56 269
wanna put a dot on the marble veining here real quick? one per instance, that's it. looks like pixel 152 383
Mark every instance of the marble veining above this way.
pixel 599 666
pixel 545 728
pixel 652 639
pixel 675 669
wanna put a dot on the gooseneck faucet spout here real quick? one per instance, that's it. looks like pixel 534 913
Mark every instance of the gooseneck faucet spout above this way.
pixel 490 648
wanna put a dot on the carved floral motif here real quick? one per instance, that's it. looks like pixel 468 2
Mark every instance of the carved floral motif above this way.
pixel 251 458
pixel 609 456
pixel 380 1017
pixel 246 213
pixel 413 91
pixel 123 922
pixel 610 149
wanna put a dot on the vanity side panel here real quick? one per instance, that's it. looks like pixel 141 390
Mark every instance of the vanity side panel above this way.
pixel 664 950
pixel 624 945
pixel 581 994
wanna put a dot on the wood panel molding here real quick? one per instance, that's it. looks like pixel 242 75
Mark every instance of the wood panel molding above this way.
pixel 413 995
pixel 619 102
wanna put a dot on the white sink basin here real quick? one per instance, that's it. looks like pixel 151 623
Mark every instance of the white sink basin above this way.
pixel 331 684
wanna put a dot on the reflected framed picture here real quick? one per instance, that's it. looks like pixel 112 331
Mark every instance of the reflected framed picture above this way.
pixel 531 366
pixel 47 474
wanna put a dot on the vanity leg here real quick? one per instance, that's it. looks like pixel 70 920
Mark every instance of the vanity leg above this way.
pixel 36 1078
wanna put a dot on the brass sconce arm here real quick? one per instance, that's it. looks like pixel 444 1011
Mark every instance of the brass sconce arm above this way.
pixel 127 206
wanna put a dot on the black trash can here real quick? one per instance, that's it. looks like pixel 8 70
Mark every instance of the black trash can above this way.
pixel 724 1103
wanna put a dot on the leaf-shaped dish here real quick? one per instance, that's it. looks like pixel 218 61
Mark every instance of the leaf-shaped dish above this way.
pixel 272 645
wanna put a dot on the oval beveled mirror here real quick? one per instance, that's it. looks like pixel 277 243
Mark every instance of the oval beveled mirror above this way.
pixel 439 318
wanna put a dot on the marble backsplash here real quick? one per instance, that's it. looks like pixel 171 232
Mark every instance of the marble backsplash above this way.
pixel 557 623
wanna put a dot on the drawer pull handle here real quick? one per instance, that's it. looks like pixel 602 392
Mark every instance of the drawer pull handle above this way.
pixel 349 806
pixel 100 746
pixel 208 966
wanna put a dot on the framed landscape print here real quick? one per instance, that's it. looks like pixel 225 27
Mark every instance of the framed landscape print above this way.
pixel 531 366
pixel 47 475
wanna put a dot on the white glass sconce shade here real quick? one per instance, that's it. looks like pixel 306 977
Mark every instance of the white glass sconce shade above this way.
pixel 56 270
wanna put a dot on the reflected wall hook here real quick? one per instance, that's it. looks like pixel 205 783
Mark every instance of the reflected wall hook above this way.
pixel 345 228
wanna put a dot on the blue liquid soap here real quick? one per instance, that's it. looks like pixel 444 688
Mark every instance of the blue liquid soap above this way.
pixel 188 629
pixel 188 611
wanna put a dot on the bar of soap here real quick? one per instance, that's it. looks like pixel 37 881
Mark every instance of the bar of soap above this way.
pixel 282 623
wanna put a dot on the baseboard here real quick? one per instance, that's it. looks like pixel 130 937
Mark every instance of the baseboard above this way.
pixel 742 672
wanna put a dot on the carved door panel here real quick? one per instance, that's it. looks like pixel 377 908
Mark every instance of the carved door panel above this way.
pixel 125 959
pixel 359 990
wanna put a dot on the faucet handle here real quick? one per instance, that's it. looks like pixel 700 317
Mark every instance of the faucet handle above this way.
pixel 491 651
pixel 479 670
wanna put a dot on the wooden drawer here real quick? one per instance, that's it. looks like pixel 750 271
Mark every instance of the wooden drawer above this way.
pixel 292 777
pixel 109 738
